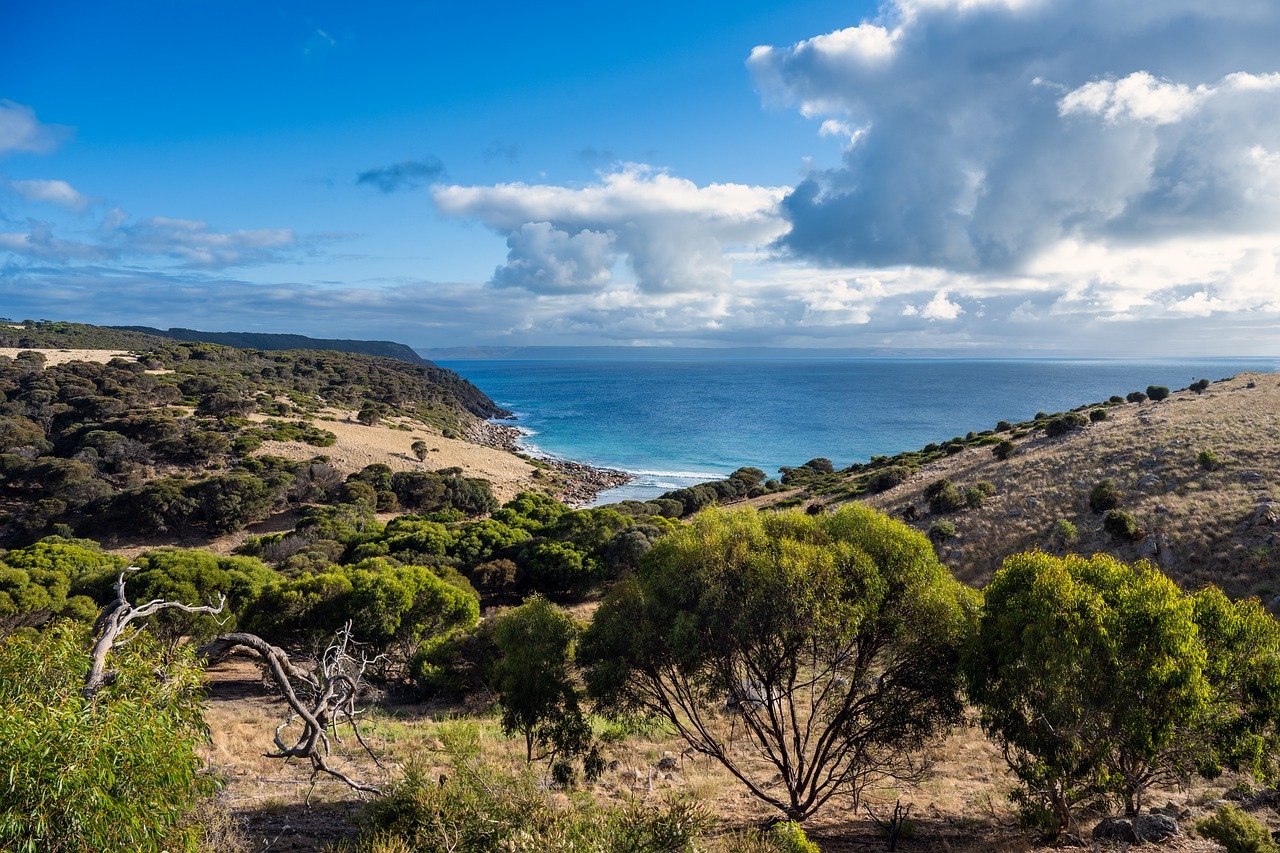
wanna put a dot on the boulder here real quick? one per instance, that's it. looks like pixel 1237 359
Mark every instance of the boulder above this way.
pixel 1251 477
pixel 1135 830
pixel 1267 514
pixel 1149 483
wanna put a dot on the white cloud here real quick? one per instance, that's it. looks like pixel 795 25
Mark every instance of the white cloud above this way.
pixel 995 130
pixel 941 308
pixel 60 193
pixel 21 131
pixel 672 232
pixel 545 259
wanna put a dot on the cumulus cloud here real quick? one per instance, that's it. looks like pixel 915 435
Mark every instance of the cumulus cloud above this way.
pixel 60 193
pixel 545 259
pixel 405 175
pixel 21 131
pixel 993 129
pixel 672 232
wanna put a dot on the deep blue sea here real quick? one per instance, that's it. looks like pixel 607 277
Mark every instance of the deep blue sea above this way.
pixel 675 423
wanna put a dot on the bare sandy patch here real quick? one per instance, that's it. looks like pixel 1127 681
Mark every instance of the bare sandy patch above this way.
pixel 62 356
pixel 358 445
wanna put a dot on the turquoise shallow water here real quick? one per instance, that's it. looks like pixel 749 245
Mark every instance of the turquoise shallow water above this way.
pixel 674 423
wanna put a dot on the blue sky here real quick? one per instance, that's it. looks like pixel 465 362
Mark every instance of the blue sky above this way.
pixel 987 175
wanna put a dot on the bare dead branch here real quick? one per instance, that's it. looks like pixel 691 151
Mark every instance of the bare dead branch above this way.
pixel 113 620
pixel 322 697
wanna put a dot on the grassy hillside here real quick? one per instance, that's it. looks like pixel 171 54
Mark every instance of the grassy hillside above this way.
pixel 1198 473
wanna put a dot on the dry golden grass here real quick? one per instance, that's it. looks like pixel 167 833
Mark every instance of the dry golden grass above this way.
pixel 390 444
pixel 1201 517
pixel 962 807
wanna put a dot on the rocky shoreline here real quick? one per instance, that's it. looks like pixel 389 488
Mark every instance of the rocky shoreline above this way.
pixel 580 483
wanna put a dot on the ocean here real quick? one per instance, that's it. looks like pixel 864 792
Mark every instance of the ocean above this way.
pixel 680 422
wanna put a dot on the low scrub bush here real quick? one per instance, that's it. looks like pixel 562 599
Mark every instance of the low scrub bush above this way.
pixel 1003 450
pixel 1105 495
pixel 1121 525
pixel 943 496
pixel 1199 386
pixel 1136 397
pixel 1097 415
pixel 1065 533
pixel 1237 831
pixel 1157 392
pixel 1208 460
pixel 1065 423
pixel 942 530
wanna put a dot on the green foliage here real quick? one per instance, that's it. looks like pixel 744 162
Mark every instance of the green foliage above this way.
pixel 1065 423
pixel 1003 450
pixel 1208 460
pixel 1122 525
pixel 1243 645
pixel 742 605
pixel 943 496
pixel 118 773
pixel 1090 674
pixel 1105 495
pixel 1157 392
pixel 1199 386
pixel 1065 533
pixel 1136 397
pixel 56 577
pixel 401 611
pixel 1237 831
pixel 1098 415
pixel 788 837
pixel 537 685
pixel 197 577
pixel 942 530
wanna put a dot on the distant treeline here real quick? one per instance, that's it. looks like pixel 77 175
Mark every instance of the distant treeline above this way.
pixel 268 341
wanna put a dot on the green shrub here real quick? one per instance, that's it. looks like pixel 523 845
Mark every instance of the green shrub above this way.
pixel 1121 525
pixel 118 773
pixel 1238 831
pixel 943 496
pixel 1199 386
pixel 1115 398
pixel 1136 397
pixel 1098 415
pixel 1157 392
pixel 942 530
pixel 1003 450
pixel 974 496
pixel 1208 460
pixel 894 475
pixel 1063 424
pixel 1003 426
pixel 1065 533
pixel 1105 495
pixel 788 837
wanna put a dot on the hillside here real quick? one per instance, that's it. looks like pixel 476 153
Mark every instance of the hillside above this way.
pixel 120 434
pixel 272 341
pixel 1215 519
